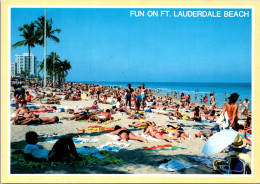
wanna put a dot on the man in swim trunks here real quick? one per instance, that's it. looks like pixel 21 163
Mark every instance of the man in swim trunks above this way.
pixel 126 135
pixel 212 101
pixel 128 95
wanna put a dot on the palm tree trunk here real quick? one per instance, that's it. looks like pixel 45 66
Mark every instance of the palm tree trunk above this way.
pixel 29 65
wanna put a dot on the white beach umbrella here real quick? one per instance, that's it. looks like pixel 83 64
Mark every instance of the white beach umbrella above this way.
pixel 219 141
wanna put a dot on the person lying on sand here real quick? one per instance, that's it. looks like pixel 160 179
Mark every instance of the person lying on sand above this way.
pixel 242 133
pixel 44 109
pixel 51 101
pixel 62 148
pixel 142 124
pixel 176 113
pixel 247 125
pixel 84 116
pixel 206 132
pixel 158 134
pixel 43 121
pixel 126 135
pixel 179 133
pixel 211 116
pixel 105 116
pixel 136 116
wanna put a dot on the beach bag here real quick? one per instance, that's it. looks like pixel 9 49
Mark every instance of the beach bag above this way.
pixel 148 110
pixel 223 121
pixel 185 117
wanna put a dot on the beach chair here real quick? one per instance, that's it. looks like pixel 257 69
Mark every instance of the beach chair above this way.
pixel 84 96
pixel 238 166
pixel 231 165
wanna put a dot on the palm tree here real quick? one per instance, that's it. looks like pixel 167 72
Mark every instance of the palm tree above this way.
pixel 49 30
pixel 51 59
pixel 31 37
pixel 61 68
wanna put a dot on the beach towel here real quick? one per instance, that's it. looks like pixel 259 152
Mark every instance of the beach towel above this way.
pixel 85 140
pixel 175 165
pixel 207 161
pixel 14 105
pixel 205 121
pixel 162 147
pixel 96 129
pixel 148 137
pixel 105 122
pixel 113 146
pixel 75 140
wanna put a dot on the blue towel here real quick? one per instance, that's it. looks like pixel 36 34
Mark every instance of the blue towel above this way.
pixel 31 106
pixel 14 105
pixel 205 121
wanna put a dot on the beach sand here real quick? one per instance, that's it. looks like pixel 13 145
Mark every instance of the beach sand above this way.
pixel 139 161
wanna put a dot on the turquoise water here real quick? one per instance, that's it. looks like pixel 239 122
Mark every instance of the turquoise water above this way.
pixel 243 89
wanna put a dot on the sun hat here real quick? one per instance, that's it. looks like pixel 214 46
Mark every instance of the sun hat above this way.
pixel 239 142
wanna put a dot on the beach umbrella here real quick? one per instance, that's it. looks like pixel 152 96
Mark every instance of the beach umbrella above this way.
pixel 219 141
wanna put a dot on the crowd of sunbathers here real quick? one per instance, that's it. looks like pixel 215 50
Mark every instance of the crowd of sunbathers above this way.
pixel 130 101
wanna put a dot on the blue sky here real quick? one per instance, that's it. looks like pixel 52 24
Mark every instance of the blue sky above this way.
pixel 109 45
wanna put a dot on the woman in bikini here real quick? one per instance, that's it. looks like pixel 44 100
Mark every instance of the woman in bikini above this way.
pixel 126 135
pixel 232 110
pixel 159 135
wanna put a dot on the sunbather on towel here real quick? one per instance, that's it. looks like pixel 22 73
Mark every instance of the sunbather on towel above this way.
pixel 247 125
pixel 205 132
pixel 136 116
pixel 179 133
pixel 84 116
pixel 43 121
pixel 126 135
pixel 60 150
pixel 142 123
pixel 242 133
pixel 158 134
pixel 44 109
pixel 211 116
pixel 105 116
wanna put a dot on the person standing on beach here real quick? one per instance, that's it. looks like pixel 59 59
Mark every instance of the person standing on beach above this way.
pixel 246 106
pixel 232 111
pixel 143 95
pixel 98 91
pixel 212 101
pixel 240 104
pixel 195 96
pixel 128 95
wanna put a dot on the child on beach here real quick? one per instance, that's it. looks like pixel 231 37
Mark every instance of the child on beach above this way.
pixel 62 148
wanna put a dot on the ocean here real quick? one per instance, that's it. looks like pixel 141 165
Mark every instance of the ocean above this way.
pixel 221 90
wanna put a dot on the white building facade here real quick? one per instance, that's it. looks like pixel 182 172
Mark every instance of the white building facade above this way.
pixel 22 64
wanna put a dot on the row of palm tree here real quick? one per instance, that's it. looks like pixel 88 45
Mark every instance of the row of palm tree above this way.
pixel 56 68
pixel 33 34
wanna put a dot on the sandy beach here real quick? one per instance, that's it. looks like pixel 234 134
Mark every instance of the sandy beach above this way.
pixel 139 161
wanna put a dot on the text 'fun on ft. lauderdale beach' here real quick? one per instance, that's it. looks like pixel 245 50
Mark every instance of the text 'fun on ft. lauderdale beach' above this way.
pixel 104 91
